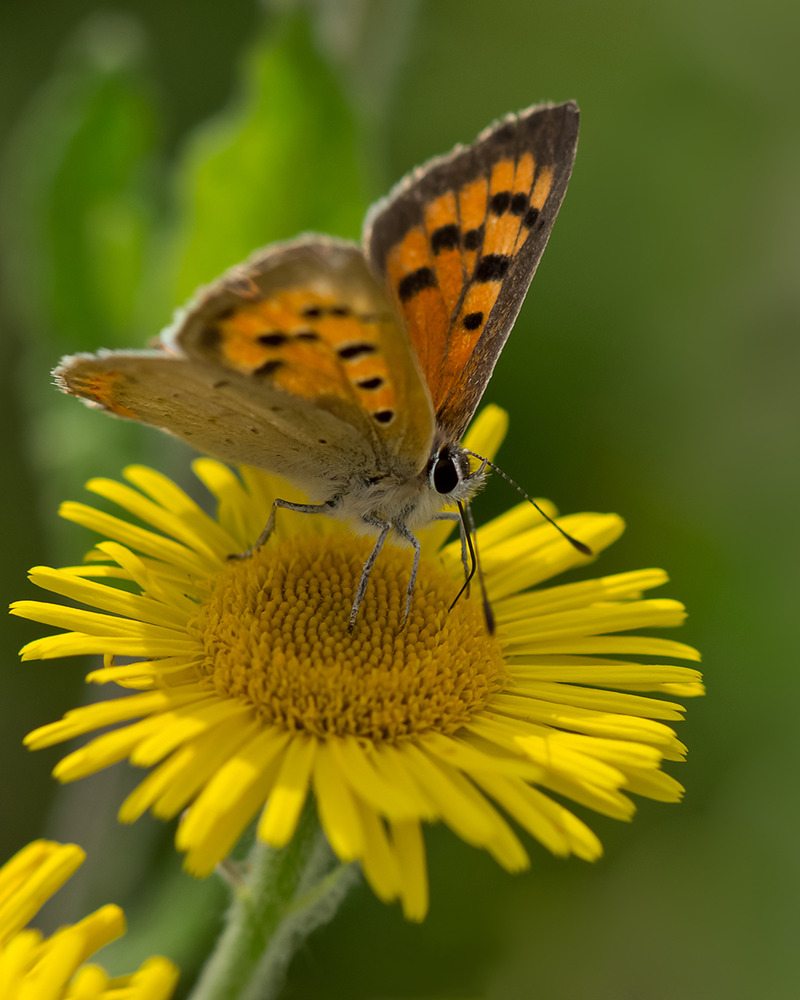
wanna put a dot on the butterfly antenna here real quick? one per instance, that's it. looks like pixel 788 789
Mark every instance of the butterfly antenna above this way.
pixel 580 546
pixel 487 608
pixel 468 526
pixel 472 560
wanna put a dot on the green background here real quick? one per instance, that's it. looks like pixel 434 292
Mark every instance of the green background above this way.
pixel 653 371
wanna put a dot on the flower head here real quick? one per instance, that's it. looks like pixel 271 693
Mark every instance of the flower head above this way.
pixel 33 967
pixel 249 690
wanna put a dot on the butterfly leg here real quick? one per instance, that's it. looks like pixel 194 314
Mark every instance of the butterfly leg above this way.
pixel 385 527
pixel 269 527
pixel 403 531
pixel 462 531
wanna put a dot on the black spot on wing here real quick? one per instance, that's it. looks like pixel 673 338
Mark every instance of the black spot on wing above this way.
pixel 275 338
pixel 416 282
pixel 445 238
pixel 473 238
pixel 351 352
pixel 370 384
pixel 492 267
pixel 519 204
pixel 530 217
pixel 473 320
pixel 384 416
pixel 499 202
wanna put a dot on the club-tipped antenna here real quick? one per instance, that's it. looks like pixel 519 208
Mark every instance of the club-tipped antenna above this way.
pixel 468 527
pixel 580 546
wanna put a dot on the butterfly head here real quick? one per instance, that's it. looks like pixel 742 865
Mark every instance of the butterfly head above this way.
pixel 450 475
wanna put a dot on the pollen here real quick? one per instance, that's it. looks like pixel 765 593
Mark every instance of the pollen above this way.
pixel 274 634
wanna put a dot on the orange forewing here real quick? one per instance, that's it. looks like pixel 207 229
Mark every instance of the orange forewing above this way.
pixel 458 242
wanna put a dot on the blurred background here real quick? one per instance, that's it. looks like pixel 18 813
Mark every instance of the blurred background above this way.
pixel 653 371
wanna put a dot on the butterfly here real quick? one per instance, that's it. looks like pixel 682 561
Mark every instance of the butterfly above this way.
pixel 353 371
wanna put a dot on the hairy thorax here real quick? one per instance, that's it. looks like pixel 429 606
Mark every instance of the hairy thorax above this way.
pixel 397 497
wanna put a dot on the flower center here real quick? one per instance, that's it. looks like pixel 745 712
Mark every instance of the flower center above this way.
pixel 274 634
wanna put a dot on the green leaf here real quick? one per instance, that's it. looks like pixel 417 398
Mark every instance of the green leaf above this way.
pixel 282 158
pixel 77 194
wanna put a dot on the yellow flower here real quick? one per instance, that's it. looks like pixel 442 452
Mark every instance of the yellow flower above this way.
pixel 249 690
pixel 33 967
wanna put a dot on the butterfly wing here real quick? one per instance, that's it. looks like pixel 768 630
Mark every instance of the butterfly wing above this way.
pixel 309 319
pixel 458 242
pixel 219 414
pixel 293 361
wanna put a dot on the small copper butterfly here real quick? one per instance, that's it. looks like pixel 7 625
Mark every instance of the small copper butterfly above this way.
pixel 353 371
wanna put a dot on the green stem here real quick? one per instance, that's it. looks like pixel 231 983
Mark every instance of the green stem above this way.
pixel 286 895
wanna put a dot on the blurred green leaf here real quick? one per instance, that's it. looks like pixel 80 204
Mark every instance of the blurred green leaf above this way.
pixel 79 191
pixel 282 158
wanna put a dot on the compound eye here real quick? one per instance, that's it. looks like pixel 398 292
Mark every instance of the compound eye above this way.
pixel 445 474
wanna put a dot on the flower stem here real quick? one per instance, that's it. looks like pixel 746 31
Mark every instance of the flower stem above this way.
pixel 285 895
